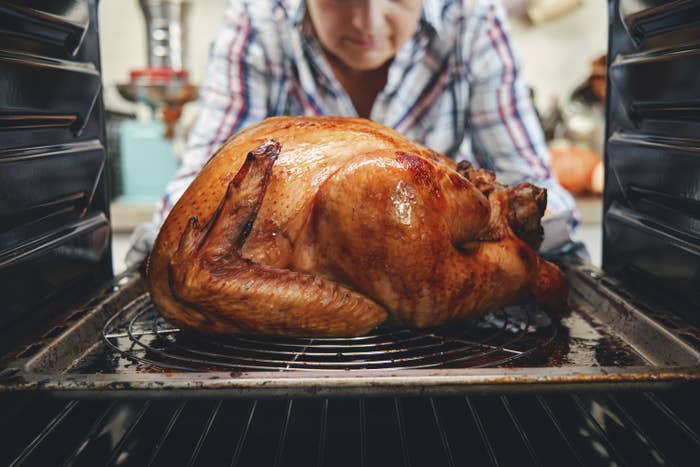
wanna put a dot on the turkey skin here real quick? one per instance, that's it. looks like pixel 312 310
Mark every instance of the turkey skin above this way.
pixel 329 226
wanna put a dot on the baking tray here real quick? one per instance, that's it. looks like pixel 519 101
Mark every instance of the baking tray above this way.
pixel 607 340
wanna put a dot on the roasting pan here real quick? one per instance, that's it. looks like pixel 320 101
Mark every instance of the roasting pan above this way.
pixel 118 343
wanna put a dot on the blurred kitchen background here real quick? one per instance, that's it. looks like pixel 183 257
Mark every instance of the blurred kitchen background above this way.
pixel 154 54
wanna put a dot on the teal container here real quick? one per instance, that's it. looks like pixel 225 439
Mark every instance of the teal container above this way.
pixel 147 161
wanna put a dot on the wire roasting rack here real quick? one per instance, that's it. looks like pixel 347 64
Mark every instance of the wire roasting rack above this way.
pixel 140 334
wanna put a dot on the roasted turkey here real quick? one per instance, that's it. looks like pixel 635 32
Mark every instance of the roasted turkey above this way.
pixel 327 226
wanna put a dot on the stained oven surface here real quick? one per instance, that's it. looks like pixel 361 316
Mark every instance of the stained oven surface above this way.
pixel 91 375
pixel 118 342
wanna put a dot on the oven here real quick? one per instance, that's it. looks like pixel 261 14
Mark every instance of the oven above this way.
pixel 91 375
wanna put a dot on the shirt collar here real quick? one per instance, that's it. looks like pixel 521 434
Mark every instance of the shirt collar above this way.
pixel 432 16
pixel 297 13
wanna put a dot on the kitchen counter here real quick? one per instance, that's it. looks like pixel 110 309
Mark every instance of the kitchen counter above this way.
pixel 127 216
pixel 590 209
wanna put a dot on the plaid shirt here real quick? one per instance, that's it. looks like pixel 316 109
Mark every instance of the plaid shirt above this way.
pixel 454 87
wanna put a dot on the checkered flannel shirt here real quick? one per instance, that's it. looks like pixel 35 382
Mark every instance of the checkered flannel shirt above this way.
pixel 455 87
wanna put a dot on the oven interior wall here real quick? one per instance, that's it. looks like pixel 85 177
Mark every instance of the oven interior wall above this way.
pixel 651 223
pixel 54 207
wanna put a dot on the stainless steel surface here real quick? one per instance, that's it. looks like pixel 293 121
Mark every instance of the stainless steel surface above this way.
pixel 166 29
pixel 605 341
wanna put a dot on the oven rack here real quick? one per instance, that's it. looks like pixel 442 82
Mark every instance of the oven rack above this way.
pixel 495 430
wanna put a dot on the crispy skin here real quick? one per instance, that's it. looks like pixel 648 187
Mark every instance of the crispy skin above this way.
pixel 330 226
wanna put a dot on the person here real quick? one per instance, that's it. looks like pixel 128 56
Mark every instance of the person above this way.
pixel 442 72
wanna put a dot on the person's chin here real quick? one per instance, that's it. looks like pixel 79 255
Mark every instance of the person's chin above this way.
pixel 368 61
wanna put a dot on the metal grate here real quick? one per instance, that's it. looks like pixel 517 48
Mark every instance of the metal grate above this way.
pixel 140 334
pixel 524 430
